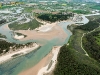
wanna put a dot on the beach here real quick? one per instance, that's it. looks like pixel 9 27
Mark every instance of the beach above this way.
pixel 51 65
pixel 48 31
pixel 9 56
pixel 39 67
pixel 45 32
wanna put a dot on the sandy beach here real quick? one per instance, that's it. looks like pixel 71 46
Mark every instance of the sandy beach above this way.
pixel 51 65
pixel 18 37
pixel 43 63
pixel 23 51
pixel 46 32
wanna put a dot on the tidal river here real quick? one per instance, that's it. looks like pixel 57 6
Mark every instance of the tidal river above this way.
pixel 18 64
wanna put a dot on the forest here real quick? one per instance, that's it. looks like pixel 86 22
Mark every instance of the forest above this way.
pixel 90 40
pixel 70 63
pixel 72 59
pixel 81 12
pixel 54 17
pixel 90 26
pixel 91 46
pixel 2 21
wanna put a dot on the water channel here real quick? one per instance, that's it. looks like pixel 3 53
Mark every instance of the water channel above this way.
pixel 16 65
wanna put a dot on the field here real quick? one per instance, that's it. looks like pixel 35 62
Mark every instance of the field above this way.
pixel 96 7
pixel 93 17
pixel 28 9
pixel 81 12
pixel 4 7
pixel 54 17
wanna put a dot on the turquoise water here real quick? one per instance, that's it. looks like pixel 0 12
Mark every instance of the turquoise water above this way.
pixel 16 65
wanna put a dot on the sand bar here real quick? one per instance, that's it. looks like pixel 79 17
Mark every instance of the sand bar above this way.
pixel 47 33
pixel 43 63
pixel 45 69
pixel 18 37
pixel 23 51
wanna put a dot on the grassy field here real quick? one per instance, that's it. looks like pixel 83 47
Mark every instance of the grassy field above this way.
pixel 30 25
pixel 98 36
pixel 28 9
pixel 75 41
pixel 4 7
pixel 93 17
pixel 81 12
pixel 96 7
pixel 98 39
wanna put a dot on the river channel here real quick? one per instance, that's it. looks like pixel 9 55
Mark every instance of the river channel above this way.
pixel 18 64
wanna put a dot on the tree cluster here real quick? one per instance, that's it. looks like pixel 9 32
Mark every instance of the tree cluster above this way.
pixel 54 17
pixel 6 46
pixel 2 21
pixel 91 46
pixel 89 26
pixel 68 65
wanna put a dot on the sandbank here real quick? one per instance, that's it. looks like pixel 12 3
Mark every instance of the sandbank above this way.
pixel 48 68
pixel 9 56
pixel 48 32
pixel 39 68
pixel 18 37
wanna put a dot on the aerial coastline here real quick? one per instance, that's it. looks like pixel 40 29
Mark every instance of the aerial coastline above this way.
pixel 23 51
pixel 36 38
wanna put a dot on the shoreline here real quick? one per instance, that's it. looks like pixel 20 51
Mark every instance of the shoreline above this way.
pixel 9 56
pixel 51 65
pixel 37 70
pixel 45 62
pixel 46 32
pixel 41 67
pixel 18 37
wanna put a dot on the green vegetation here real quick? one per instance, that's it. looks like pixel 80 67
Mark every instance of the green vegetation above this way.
pixel 28 9
pixel 16 55
pixel 72 62
pixel 72 59
pixel 97 36
pixel 91 44
pixel 5 46
pixel 90 26
pixel 91 39
pixel 81 12
pixel 19 34
pixel 54 17
pixel 2 36
pixel 30 25
pixel 2 21
pixel 96 7
pixel 75 40
pixel 9 6
pixel 91 18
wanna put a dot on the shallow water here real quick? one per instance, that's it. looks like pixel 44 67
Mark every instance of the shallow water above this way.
pixel 15 66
